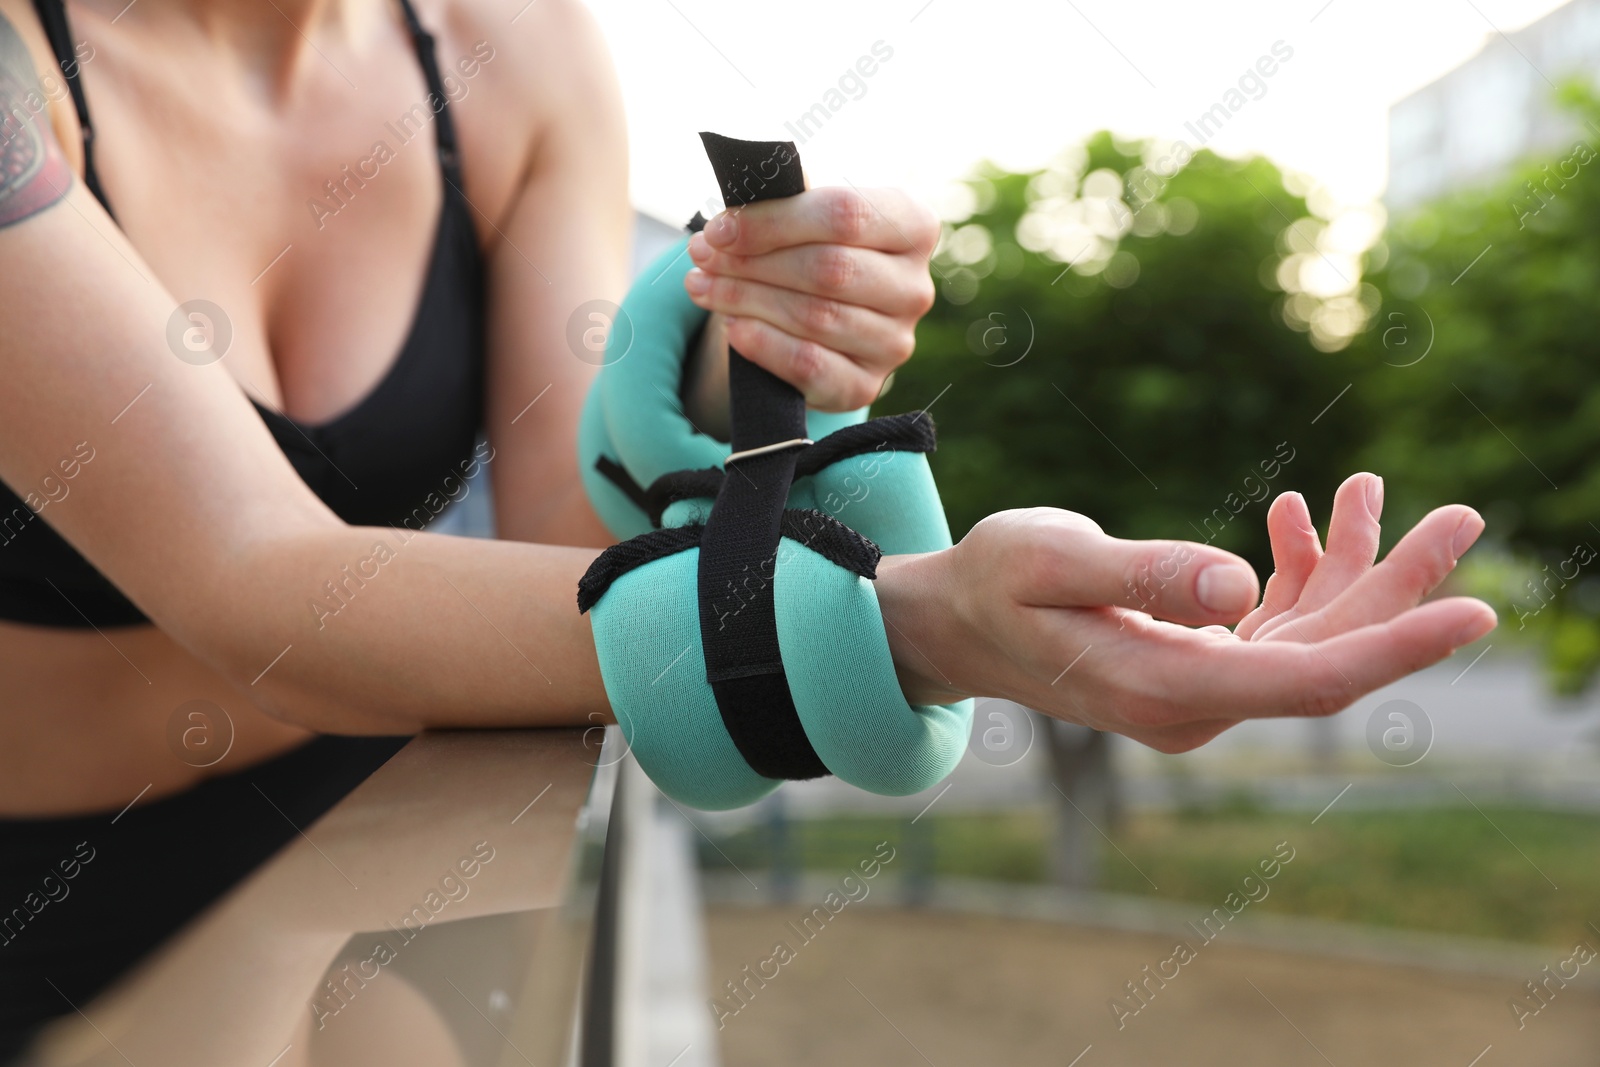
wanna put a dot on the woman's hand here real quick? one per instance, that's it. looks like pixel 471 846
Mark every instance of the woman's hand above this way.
pixel 823 289
pixel 1043 608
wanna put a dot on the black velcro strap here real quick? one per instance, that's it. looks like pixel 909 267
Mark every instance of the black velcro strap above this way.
pixel 618 475
pixel 910 432
pixel 738 559
pixel 53 17
pixel 738 551
pixel 748 171
pixel 833 540
pixel 681 485
pixel 619 559
pixel 822 533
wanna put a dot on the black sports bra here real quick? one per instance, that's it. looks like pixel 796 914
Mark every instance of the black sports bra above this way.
pixel 376 464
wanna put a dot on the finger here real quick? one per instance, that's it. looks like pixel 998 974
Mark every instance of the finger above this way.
pixel 1070 563
pixel 1412 570
pixel 1296 548
pixel 1255 679
pixel 885 219
pixel 830 380
pixel 878 343
pixel 894 285
pixel 1352 546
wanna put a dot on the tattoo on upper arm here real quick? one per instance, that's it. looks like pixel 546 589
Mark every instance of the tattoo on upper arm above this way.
pixel 33 172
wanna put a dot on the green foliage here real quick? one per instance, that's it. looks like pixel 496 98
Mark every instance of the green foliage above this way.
pixel 1447 870
pixel 1443 869
pixel 1503 413
pixel 1162 393
pixel 1116 342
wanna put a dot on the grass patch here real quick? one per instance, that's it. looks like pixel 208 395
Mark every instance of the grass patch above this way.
pixel 1447 870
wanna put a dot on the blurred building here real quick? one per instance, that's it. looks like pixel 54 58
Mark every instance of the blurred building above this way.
pixel 1495 108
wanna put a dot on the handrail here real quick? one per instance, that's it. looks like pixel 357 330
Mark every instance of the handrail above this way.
pixel 470 854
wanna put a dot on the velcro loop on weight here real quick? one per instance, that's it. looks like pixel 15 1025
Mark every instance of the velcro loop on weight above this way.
pixel 635 552
pixel 911 432
pixel 822 533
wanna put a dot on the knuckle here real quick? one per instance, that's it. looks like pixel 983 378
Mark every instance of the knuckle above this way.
pixel 726 263
pixel 1152 568
pixel 808 361
pixel 1441 561
pixel 750 233
pixel 1140 582
pixel 747 336
pixel 729 291
pixel 863 393
pixel 1025 528
pixel 1074 519
pixel 1047 523
pixel 834 269
pixel 902 345
pixel 1324 698
pixel 996 526
pixel 1418 577
pixel 923 294
pixel 848 214
pixel 820 315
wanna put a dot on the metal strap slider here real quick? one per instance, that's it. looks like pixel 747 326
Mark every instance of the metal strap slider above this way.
pixel 793 442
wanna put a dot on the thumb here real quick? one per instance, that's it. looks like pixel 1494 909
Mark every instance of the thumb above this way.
pixel 1180 581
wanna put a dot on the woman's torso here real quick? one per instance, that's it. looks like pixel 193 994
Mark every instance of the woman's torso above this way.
pixel 212 162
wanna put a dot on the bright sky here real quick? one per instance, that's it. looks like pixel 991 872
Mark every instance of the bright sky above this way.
pixel 1016 80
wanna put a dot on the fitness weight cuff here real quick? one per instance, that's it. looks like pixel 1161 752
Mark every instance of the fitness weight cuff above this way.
pixel 738 631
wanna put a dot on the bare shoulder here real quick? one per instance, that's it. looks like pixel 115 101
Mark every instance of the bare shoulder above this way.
pixel 34 174
pixel 539 103
pixel 549 57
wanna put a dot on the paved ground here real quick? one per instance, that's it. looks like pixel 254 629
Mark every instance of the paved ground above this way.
pixel 884 987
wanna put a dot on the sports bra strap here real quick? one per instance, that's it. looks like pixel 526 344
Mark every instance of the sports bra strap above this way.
pixel 53 16
pixel 445 132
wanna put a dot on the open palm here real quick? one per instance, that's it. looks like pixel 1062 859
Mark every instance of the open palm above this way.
pixel 1130 636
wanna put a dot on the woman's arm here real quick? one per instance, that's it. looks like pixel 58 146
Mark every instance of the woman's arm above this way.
pixel 194 512
pixel 565 245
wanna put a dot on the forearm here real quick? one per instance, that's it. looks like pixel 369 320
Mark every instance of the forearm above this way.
pixel 377 630
pixel 548 513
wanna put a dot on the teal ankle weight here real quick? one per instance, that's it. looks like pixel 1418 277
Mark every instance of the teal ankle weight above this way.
pixel 766 659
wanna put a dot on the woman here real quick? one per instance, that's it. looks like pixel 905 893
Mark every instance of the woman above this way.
pixel 385 233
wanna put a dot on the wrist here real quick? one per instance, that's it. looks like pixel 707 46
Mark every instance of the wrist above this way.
pixel 913 593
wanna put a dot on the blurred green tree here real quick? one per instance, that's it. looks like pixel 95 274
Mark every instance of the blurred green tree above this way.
pixel 1482 375
pixel 1112 337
